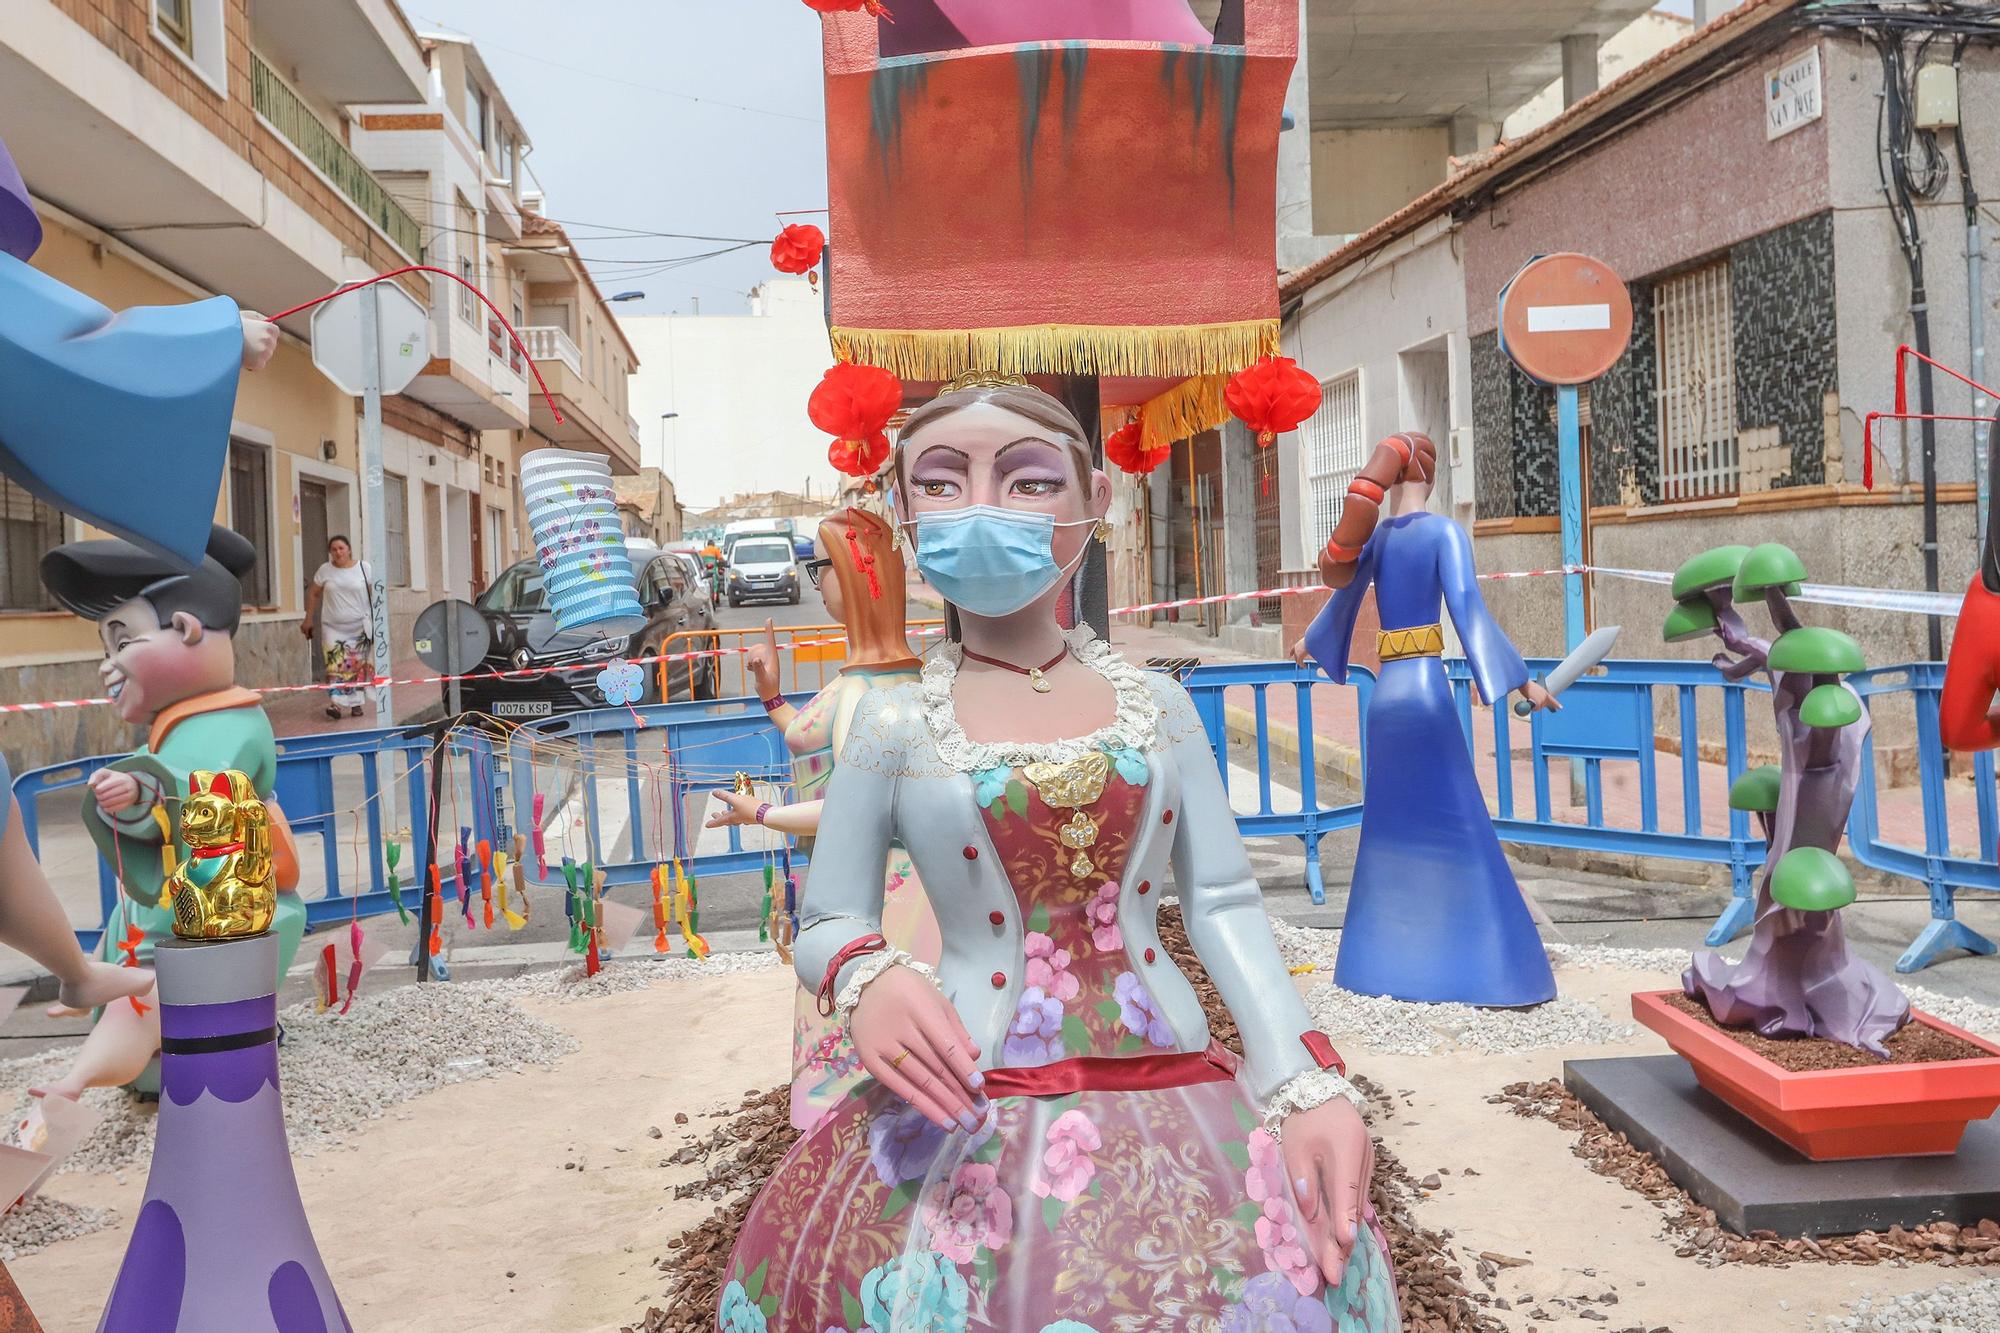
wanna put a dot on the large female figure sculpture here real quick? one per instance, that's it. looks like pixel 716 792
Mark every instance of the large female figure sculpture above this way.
pixel 866 592
pixel 1434 913
pixel 1050 1139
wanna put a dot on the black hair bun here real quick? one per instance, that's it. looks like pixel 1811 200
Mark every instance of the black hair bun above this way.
pixel 232 550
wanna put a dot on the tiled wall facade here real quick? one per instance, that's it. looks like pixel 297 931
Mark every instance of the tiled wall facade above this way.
pixel 1782 311
pixel 1781 294
pixel 125 26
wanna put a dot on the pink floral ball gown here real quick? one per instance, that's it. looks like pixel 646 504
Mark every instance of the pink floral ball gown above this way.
pixel 1124 1179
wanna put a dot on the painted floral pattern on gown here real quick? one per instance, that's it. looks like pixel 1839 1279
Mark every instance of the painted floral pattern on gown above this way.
pixel 1094 1212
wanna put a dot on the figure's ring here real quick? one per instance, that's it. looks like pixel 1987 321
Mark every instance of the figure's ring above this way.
pixel 901 1056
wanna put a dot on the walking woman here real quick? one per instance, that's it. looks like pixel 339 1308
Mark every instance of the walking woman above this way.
pixel 339 605
pixel 1049 1137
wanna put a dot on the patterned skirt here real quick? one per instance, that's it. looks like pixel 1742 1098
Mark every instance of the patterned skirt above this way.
pixel 1162 1206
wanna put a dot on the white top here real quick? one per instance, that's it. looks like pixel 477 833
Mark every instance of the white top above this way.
pixel 343 609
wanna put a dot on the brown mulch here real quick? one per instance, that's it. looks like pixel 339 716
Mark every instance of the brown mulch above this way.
pixel 741 1153
pixel 1912 1044
pixel 1705 1240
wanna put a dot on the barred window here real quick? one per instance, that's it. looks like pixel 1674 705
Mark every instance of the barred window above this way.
pixel 27 529
pixel 250 515
pixel 1332 439
pixel 396 519
pixel 1697 384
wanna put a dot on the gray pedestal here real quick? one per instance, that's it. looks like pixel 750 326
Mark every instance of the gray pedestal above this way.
pixel 1754 1182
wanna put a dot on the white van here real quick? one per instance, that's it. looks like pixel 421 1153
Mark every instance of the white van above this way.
pixel 762 567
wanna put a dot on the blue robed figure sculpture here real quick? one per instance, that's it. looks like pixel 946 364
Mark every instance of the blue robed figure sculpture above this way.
pixel 119 419
pixel 1434 913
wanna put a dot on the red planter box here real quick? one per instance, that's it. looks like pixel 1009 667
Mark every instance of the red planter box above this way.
pixel 1834 1114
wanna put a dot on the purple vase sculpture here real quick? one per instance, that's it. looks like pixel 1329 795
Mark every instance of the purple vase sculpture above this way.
pixel 222 1241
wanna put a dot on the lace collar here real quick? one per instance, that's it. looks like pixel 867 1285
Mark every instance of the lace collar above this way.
pixel 1132 728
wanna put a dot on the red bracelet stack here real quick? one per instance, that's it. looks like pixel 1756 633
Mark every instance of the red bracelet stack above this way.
pixel 848 953
pixel 774 703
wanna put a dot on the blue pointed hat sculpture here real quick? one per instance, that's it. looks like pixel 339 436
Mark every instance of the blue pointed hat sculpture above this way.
pixel 119 419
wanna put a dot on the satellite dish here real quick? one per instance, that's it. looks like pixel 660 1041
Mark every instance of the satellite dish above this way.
pixel 452 637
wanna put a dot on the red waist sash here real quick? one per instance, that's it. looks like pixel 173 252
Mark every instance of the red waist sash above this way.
pixel 1101 1073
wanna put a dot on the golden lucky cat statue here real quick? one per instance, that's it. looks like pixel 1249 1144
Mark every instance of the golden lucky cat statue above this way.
pixel 225 887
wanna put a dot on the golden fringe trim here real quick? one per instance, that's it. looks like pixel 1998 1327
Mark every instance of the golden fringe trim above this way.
pixel 1062 349
pixel 1186 410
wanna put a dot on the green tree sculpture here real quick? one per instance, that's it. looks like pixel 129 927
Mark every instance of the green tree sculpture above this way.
pixel 1799 978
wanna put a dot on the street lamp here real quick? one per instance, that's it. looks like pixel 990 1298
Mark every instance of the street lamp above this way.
pixel 627 296
pixel 675 474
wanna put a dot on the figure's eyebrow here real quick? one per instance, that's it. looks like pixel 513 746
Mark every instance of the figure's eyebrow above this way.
pixel 1033 451
pixel 960 456
pixel 112 626
pixel 1028 439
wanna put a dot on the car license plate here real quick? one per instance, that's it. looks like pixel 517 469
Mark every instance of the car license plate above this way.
pixel 523 708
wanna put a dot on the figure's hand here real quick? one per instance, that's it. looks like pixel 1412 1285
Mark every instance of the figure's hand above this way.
pixel 116 791
pixel 737 809
pixel 260 340
pixel 1299 653
pixel 910 1038
pixel 1330 1159
pixel 763 662
pixel 1539 698
pixel 306 629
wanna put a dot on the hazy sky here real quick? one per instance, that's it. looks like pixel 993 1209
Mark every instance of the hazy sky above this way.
pixel 633 109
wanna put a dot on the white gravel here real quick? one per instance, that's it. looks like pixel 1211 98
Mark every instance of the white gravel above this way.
pixel 1971 1015
pixel 1400 1027
pixel 42 1222
pixel 1959 1307
pixel 1306 946
pixel 1592 957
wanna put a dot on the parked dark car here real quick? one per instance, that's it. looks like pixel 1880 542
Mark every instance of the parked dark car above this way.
pixel 526 635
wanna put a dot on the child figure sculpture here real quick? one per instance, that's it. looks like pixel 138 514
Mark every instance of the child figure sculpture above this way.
pixel 1049 1137
pixel 169 666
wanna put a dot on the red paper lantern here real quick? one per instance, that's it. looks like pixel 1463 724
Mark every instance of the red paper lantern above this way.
pixel 1125 448
pixel 854 403
pixel 1271 396
pixel 798 249
pixel 875 7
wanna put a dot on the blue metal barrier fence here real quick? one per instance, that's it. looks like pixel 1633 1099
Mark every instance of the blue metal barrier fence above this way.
pixel 658 763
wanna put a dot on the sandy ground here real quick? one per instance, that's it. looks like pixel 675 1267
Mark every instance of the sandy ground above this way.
pixel 462 1208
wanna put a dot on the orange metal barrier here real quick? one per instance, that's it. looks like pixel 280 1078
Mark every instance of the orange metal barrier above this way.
pixel 804 661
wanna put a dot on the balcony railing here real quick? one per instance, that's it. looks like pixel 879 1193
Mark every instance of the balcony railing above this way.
pixel 550 342
pixel 290 117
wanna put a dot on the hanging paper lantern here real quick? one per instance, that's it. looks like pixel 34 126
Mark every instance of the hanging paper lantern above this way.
pixel 798 250
pixel 875 7
pixel 1271 396
pixel 854 403
pixel 1126 448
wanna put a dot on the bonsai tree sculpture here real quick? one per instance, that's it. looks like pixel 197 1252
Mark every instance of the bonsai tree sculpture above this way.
pixel 1798 978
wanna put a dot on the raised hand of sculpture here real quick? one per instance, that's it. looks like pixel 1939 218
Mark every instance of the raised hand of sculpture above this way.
pixel 1434 913
pixel 859 573
pixel 1049 1136
pixel 1798 978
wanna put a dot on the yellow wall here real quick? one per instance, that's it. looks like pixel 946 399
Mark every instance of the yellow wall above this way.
pixel 289 399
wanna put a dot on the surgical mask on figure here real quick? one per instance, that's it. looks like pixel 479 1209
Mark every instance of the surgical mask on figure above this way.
pixel 990 561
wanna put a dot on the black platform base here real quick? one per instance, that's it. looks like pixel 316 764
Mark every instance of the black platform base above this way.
pixel 1755 1183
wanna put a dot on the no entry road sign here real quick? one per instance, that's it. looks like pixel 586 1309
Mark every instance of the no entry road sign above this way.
pixel 1565 318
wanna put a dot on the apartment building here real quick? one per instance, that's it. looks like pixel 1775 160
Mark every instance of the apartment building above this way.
pixel 177 149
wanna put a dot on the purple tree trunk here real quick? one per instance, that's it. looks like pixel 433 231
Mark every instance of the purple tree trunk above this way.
pixel 1798 978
